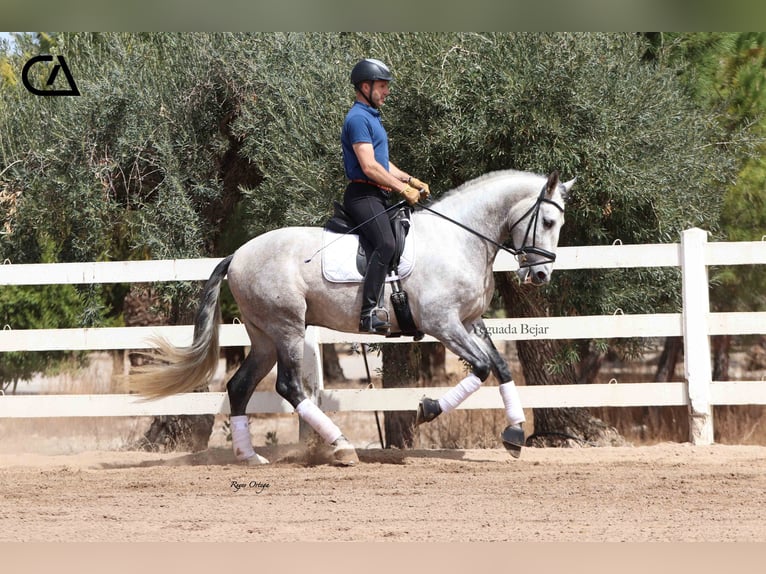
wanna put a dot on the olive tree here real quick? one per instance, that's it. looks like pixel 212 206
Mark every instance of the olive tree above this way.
pixel 187 144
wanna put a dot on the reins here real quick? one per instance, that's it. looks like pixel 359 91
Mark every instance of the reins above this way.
pixel 476 233
pixel 520 253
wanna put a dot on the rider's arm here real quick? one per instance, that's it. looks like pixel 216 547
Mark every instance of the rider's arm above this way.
pixel 376 172
pixel 398 173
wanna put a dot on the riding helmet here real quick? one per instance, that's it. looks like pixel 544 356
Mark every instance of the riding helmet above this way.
pixel 370 69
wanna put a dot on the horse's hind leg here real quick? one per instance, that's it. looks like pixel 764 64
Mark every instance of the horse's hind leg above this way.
pixel 240 388
pixel 289 387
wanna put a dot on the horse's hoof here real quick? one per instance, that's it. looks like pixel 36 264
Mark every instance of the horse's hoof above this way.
pixel 428 410
pixel 344 453
pixel 513 439
pixel 256 460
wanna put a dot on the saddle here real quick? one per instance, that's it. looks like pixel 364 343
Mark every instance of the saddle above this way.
pixel 341 222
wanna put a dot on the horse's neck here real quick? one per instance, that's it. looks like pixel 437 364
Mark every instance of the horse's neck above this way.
pixel 484 208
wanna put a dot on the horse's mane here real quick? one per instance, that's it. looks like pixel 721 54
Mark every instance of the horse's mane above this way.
pixel 488 178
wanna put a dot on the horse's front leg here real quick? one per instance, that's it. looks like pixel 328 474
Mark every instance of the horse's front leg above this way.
pixel 472 344
pixel 513 435
pixel 457 339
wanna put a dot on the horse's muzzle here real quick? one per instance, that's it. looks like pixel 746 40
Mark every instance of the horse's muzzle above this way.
pixel 534 274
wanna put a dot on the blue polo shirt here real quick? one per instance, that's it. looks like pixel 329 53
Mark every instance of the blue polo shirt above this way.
pixel 362 124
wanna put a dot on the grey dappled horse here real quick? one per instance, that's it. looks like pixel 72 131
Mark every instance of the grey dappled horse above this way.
pixel 280 289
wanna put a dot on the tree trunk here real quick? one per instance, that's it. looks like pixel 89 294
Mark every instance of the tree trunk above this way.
pixel 655 420
pixel 590 362
pixel 553 427
pixel 671 351
pixel 234 356
pixel 721 347
pixel 432 363
pixel 400 369
pixel 331 368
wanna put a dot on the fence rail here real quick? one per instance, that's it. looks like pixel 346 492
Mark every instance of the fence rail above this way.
pixel 695 323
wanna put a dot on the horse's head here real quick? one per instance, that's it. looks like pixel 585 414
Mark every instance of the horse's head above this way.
pixel 534 228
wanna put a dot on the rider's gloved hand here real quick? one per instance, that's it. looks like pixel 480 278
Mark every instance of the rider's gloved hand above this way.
pixel 423 187
pixel 411 194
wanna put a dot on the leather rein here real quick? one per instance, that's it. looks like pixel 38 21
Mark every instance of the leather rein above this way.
pixel 526 249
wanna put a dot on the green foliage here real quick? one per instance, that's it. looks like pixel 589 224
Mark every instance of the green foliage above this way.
pixel 725 72
pixel 36 307
pixel 129 170
pixel 294 92
pixel 646 158
pixel 185 145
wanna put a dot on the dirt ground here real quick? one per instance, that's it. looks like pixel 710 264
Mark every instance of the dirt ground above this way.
pixel 70 480
pixel 665 492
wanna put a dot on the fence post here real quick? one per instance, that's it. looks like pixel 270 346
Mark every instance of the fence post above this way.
pixel 696 309
pixel 311 376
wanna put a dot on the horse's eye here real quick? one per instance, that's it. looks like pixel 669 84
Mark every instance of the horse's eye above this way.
pixel 548 223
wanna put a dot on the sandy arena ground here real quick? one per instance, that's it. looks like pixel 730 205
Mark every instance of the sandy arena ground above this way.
pixel 666 492
pixel 69 480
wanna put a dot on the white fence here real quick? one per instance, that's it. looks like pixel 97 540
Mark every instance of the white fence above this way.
pixel 695 323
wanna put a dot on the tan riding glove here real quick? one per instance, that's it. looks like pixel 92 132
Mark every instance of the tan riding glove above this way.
pixel 411 194
pixel 417 184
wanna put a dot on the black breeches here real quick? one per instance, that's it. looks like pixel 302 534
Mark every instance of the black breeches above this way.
pixel 364 201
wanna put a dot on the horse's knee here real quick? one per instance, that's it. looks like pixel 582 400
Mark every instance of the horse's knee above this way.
pixel 482 369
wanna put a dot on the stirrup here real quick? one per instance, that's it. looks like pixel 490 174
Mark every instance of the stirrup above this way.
pixel 371 323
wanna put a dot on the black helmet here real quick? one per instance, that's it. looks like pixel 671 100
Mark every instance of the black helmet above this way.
pixel 370 69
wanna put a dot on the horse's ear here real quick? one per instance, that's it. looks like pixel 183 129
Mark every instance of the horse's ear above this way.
pixel 567 187
pixel 552 184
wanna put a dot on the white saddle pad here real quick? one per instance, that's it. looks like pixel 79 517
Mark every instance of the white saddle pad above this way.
pixel 339 257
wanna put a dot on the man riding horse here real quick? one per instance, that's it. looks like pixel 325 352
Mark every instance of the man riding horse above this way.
pixel 452 284
pixel 372 177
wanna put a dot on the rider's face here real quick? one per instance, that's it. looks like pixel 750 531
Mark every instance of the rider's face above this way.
pixel 378 92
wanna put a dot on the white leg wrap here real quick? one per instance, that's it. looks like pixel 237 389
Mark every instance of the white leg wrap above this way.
pixel 460 392
pixel 319 421
pixel 240 438
pixel 512 403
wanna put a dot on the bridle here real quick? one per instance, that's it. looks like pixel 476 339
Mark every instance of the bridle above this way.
pixel 525 249
pixel 519 253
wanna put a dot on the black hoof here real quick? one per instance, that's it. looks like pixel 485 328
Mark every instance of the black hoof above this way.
pixel 513 439
pixel 428 410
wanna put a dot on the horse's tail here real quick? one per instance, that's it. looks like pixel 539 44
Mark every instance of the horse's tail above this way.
pixel 180 370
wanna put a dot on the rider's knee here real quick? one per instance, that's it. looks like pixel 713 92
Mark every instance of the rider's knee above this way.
pixel 387 248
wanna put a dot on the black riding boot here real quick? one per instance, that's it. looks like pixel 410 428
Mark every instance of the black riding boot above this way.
pixel 372 293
